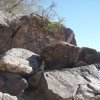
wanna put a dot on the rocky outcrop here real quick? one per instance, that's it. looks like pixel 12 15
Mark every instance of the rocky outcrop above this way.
pixel 18 31
pixel 63 54
pixel 89 55
pixel 62 71
pixel 81 83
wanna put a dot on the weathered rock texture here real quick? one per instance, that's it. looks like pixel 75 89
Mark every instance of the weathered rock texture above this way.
pixel 81 83
pixel 20 61
pixel 63 54
pixel 22 73
pixel 17 66
pixel 28 32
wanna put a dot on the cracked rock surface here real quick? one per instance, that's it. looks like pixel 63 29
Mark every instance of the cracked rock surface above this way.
pixel 26 31
pixel 81 83
pixel 62 71
pixel 12 83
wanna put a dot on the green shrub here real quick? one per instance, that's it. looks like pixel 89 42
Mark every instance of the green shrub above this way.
pixel 53 27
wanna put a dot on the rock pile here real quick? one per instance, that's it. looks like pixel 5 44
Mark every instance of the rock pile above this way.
pixel 63 54
pixel 16 66
pixel 18 31
pixel 59 70
pixel 22 74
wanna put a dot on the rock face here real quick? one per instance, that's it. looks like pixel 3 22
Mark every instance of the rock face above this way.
pixel 27 32
pixel 20 61
pixel 62 54
pixel 19 71
pixel 81 83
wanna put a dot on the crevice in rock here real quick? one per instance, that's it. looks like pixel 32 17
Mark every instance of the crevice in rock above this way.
pixel 86 78
pixel 95 92
pixel 77 90
pixel 14 32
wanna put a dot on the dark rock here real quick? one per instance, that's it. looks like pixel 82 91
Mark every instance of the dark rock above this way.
pixel 34 80
pixel 5 32
pixel 80 63
pixel 32 94
pixel 12 83
pixel 62 54
pixel 81 83
pixel 99 56
pixel 69 36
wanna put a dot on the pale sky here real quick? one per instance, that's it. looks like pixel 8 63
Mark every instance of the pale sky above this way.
pixel 83 17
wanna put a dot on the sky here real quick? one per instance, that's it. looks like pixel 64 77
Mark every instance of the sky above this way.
pixel 83 17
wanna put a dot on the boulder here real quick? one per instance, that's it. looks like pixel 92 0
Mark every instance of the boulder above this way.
pixel 81 83
pixel 33 58
pixel 21 61
pixel 32 36
pixel 63 54
pixel 88 55
pixel 27 31
pixel 60 55
pixel 12 83
pixel 5 96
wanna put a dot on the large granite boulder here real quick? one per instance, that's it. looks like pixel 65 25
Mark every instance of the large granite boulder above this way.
pixel 20 31
pixel 81 83
pixel 63 54
pixel 12 83
pixel 20 61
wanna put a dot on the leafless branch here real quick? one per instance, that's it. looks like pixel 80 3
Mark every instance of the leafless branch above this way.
pixel 15 5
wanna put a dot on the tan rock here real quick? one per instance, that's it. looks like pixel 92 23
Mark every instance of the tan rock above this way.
pixel 21 61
